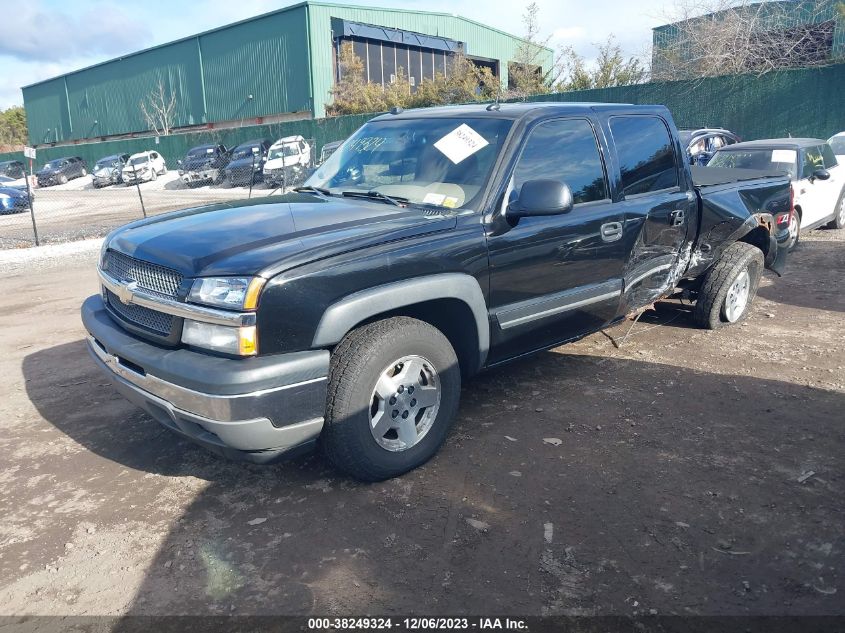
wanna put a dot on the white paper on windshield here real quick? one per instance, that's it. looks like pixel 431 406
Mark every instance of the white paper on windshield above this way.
pixel 434 198
pixel 784 156
pixel 209 150
pixel 461 143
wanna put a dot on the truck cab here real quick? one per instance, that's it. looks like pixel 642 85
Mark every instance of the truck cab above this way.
pixel 433 244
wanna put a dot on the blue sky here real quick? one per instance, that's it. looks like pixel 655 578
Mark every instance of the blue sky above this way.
pixel 45 38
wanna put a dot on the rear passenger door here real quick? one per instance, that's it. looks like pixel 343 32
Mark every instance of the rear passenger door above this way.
pixel 653 192
pixel 557 277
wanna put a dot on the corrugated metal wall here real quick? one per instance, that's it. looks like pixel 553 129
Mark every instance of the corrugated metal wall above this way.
pixel 481 40
pixel 212 76
pixel 266 58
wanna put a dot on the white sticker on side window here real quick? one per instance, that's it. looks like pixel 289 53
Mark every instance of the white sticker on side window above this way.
pixel 784 156
pixel 461 143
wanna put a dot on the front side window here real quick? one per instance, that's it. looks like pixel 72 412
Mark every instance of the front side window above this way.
pixel 443 162
pixel 813 160
pixel 563 150
pixel 829 157
pixel 646 154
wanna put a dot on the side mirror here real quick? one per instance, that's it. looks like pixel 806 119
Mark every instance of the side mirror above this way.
pixel 179 162
pixel 541 197
pixel 821 174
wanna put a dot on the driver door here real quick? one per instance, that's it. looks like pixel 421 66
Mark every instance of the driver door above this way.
pixel 555 278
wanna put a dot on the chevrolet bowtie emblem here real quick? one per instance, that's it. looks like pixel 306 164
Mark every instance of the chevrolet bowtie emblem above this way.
pixel 125 293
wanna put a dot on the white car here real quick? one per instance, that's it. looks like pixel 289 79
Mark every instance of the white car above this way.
pixel 837 144
pixel 286 157
pixel 818 180
pixel 143 167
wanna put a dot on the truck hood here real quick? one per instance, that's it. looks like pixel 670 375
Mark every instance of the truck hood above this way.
pixel 279 163
pixel 244 162
pixel 269 235
pixel 196 164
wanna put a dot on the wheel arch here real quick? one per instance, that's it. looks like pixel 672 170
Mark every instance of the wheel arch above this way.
pixel 451 302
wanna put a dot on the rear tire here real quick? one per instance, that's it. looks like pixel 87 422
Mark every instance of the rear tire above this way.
pixel 729 287
pixel 838 222
pixel 375 428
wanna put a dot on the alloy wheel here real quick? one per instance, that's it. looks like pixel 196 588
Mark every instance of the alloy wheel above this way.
pixel 737 298
pixel 404 403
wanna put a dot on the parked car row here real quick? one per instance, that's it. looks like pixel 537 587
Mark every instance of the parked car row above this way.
pixel 253 161
pixel 276 163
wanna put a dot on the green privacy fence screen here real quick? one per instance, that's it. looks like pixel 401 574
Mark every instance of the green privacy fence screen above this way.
pixel 174 146
pixel 801 102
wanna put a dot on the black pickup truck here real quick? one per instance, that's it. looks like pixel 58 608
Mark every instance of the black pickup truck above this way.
pixel 432 245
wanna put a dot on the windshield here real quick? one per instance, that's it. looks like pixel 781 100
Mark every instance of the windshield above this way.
pixel 200 152
pixel 54 164
pixel 764 159
pixel 441 162
pixel 246 152
pixel 289 149
pixel 106 163
pixel 837 144
pixel 139 160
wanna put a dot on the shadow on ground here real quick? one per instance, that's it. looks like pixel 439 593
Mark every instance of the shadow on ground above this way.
pixel 570 484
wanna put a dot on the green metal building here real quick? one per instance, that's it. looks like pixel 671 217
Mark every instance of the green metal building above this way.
pixel 272 68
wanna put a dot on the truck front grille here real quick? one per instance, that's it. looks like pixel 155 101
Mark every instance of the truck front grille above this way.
pixel 157 322
pixel 150 277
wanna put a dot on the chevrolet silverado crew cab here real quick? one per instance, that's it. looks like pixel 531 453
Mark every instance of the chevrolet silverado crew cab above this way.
pixel 431 245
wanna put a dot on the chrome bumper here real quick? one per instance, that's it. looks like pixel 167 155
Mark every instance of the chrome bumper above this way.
pixel 258 422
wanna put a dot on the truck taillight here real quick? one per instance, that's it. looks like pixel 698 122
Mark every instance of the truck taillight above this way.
pixel 783 219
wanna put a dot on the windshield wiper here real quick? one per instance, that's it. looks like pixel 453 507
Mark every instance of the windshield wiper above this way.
pixel 376 195
pixel 309 189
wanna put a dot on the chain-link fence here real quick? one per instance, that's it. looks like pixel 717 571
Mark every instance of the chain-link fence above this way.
pixel 70 200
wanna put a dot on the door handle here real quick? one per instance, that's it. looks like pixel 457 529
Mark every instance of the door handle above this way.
pixel 676 218
pixel 611 231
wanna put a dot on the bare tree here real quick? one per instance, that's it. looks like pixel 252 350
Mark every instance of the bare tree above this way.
pixel 707 38
pixel 526 75
pixel 610 68
pixel 159 109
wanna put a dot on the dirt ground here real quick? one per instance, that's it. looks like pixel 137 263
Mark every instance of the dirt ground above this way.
pixel 689 472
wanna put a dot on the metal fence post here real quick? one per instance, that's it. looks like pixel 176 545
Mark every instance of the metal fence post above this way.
pixel 31 210
pixel 138 187
pixel 252 175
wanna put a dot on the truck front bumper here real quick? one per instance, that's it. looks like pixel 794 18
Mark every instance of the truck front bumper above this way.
pixel 257 409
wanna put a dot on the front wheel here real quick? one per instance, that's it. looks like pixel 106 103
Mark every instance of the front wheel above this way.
pixel 729 287
pixel 393 393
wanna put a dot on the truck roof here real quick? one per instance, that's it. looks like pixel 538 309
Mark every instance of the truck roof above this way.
pixel 516 111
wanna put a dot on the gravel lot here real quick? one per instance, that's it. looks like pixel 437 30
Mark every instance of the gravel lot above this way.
pixel 689 472
pixel 76 210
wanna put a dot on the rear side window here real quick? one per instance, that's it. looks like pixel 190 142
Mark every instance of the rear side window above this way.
pixel 828 156
pixel 564 150
pixel 646 154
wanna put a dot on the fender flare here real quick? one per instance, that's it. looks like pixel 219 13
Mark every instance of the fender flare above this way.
pixel 340 317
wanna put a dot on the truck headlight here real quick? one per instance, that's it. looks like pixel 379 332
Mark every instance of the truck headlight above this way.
pixel 235 293
pixel 238 341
